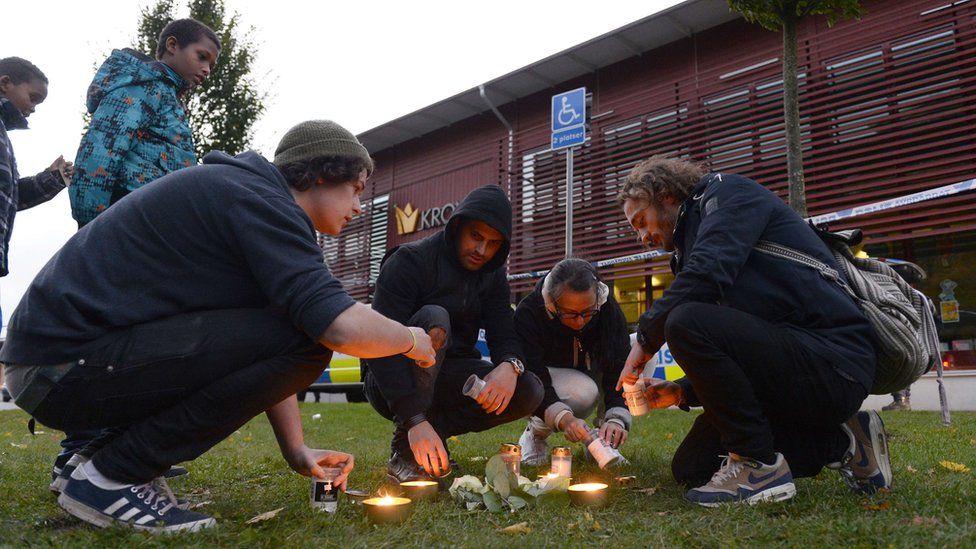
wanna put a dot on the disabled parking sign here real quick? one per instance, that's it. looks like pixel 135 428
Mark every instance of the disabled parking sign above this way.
pixel 569 119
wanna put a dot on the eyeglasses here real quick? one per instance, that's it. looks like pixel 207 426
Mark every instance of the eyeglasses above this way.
pixel 569 315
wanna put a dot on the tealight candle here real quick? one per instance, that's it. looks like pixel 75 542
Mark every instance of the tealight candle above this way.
pixel 419 489
pixel 387 509
pixel 592 494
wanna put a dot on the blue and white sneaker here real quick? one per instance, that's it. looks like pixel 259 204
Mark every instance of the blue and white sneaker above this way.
pixel 742 480
pixel 136 506
pixel 866 467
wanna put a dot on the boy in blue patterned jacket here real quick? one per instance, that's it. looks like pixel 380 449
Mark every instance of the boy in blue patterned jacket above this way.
pixel 138 131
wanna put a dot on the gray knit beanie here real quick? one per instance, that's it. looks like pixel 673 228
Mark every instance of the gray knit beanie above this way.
pixel 316 138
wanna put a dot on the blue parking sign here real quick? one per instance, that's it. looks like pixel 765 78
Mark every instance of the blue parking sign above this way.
pixel 569 119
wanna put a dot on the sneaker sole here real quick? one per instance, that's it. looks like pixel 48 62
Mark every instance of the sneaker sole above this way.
pixel 83 512
pixel 879 441
pixel 782 492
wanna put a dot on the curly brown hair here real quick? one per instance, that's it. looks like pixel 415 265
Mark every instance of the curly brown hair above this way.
pixel 659 177
pixel 335 170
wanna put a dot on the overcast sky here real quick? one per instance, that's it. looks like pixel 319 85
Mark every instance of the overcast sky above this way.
pixel 358 63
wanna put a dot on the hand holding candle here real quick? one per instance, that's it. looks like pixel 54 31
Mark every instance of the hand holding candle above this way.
pixel 310 461
pixel 663 394
pixel 574 428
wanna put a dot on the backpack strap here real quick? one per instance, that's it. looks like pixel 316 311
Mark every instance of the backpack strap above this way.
pixel 796 256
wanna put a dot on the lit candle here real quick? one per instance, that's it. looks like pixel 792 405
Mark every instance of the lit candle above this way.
pixel 592 494
pixel 419 489
pixel 387 509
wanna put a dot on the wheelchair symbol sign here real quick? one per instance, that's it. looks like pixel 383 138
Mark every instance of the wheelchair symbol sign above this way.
pixel 569 109
pixel 569 119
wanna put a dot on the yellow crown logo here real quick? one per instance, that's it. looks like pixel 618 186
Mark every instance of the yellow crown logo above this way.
pixel 406 219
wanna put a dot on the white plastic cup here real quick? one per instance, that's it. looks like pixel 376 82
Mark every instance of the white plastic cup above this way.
pixel 604 454
pixel 325 496
pixel 473 386
pixel 635 399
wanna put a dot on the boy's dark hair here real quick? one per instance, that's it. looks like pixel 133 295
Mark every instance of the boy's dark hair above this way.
pixel 186 32
pixel 20 70
pixel 659 177
pixel 335 170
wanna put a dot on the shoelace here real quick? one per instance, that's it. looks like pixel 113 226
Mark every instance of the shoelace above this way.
pixel 160 484
pixel 729 469
pixel 148 494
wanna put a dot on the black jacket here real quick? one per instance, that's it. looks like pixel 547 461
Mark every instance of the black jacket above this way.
pixel 428 272
pixel 548 343
pixel 224 235
pixel 714 262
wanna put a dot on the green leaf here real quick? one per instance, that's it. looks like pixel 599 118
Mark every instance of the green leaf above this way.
pixel 501 484
pixel 494 467
pixel 517 503
pixel 494 502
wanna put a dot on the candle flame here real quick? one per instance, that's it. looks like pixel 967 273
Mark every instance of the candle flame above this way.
pixel 418 483
pixel 386 501
pixel 588 487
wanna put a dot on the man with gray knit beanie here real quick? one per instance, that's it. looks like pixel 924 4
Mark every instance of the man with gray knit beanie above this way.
pixel 198 302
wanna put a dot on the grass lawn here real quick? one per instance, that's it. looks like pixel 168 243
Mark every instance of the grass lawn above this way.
pixel 930 506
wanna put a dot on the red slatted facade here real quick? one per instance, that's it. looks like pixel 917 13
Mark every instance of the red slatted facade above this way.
pixel 887 108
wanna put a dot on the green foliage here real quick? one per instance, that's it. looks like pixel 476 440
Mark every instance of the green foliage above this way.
pixel 223 110
pixel 771 13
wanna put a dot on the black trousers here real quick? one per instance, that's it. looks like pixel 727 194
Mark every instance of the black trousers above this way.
pixel 761 390
pixel 439 387
pixel 174 388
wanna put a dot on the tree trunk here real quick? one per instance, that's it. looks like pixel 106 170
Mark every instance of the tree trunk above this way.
pixel 791 107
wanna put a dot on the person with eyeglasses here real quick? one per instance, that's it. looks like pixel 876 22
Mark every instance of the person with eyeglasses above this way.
pixel 574 337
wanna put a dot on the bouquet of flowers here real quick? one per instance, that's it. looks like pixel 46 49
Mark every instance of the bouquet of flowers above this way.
pixel 504 491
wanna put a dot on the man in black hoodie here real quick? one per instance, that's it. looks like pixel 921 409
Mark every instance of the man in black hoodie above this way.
pixel 197 302
pixel 452 284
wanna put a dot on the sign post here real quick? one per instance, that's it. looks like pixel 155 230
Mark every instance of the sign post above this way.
pixel 568 131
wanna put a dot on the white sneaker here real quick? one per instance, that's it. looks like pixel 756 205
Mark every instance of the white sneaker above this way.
pixel 535 449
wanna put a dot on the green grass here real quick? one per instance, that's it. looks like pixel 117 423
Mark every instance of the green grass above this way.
pixel 930 506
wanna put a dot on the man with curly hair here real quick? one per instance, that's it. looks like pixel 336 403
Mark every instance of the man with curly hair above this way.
pixel 779 358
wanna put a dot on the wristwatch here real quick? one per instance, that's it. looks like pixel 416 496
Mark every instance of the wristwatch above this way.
pixel 517 364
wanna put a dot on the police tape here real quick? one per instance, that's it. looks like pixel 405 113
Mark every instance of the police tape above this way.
pixel 875 207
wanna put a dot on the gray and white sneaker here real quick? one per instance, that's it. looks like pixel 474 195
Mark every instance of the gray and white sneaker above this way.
pixel 59 480
pixel 136 506
pixel 743 480
pixel 535 449
pixel 866 466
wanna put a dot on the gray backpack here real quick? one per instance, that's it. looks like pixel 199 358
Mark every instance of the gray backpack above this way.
pixel 901 315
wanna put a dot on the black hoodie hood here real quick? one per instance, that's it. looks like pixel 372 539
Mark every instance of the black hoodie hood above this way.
pixel 490 205
pixel 250 161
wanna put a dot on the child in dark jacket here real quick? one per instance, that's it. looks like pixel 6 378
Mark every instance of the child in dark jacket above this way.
pixel 138 130
pixel 22 88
